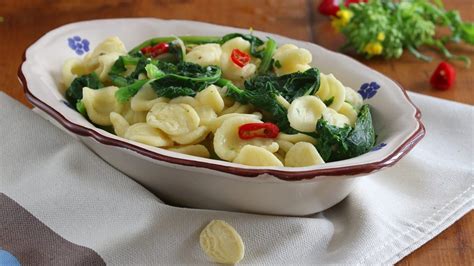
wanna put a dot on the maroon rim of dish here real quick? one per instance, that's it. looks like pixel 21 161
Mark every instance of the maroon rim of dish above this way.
pixel 389 160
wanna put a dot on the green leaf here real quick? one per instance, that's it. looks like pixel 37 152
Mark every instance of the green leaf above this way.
pixel 153 72
pixel 335 143
pixel 74 92
pixel 123 94
pixel 81 108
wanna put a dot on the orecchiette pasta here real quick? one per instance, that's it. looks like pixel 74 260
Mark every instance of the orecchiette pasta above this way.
pixel 214 124
pixel 100 103
pixel 294 138
pixel 354 98
pixel 205 54
pixel 144 133
pixel 174 119
pixel 193 137
pixel 303 154
pixel 291 59
pixel 145 98
pixel 195 150
pixel 257 156
pixel 71 69
pixel 349 111
pixel 210 96
pixel 304 113
pixel 334 118
pixel 229 69
pixel 119 123
pixel 111 45
pixel 337 92
pixel 227 142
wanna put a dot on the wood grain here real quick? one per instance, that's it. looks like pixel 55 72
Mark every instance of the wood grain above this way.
pixel 27 20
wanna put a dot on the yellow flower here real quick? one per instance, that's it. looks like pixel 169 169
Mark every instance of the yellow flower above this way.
pixel 373 48
pixel 381 36
pixel 341 19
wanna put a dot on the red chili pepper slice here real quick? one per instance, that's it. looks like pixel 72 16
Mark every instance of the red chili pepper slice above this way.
pixel 239 58
pixel 258 130
pixel 330 7
pixel 443 77
pixel 156 50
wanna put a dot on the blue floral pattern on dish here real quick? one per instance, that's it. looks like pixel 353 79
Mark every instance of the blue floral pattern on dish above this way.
pixel 79 45
pixel 378 147
pixel 368 90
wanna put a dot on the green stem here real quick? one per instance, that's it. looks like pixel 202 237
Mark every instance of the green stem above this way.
pixel 185 39
pixel 267 56
pixel 419 55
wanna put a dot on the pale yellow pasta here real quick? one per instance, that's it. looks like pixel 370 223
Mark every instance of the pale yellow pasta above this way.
pixel 214 124
pixel 236 43
pixel 186 100
pixel 195 150
pixel 144 133
pixel 337 92
pixel 193 137
pixel 111 45
pixel 284 145
pixel 174 119
pixel 227 143
pixel 294 138
pixel 303 154
pixel 334 118
pixel 323 91
pixel 304 113
pixel 229 69
pixel 119 123
pixel 133 117
pixel 205 55
pixel 205 113
pixel 291 59
pixel 72 68
pixel 238 108
pixel 145 98
pixel 354 98
pixel 100 103
pixel 257 156
pixel 210 96
pixel 349 111
pixel 105 63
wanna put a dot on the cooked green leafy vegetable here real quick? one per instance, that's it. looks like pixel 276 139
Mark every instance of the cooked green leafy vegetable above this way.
pixel 335 143
pixel 263 96
pixel 74 92
pixel 168 80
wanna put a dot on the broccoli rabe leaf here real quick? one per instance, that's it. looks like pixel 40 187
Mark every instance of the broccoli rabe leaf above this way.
pixel 335 143
pixel 298 84
pixel 74 92
pixel 185 80
pixel 263 96
pixel 124 94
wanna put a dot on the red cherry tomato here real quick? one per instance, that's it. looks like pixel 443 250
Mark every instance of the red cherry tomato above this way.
pixel 443 77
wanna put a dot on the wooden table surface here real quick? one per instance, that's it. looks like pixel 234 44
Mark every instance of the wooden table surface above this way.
pixel 24 21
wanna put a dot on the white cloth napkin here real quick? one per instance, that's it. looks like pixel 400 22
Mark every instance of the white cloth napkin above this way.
pixel 89 203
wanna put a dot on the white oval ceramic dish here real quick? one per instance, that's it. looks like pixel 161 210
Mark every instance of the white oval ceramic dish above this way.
pixel 206 183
